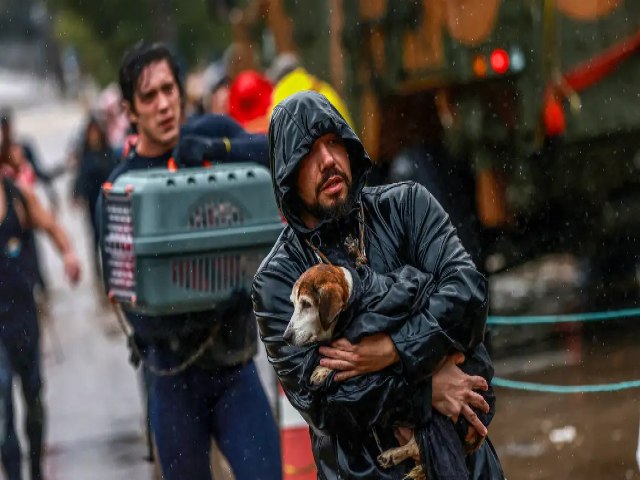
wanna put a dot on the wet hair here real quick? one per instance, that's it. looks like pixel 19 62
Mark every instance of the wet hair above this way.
pixel 136 59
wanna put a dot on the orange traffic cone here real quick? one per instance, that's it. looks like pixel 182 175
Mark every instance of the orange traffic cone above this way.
pixel 297 458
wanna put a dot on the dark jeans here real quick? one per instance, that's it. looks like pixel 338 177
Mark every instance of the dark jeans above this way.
pixel 19 339
pixel 7 436
pixel 228 404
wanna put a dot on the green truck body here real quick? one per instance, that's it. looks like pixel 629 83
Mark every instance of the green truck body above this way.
pixel 552 140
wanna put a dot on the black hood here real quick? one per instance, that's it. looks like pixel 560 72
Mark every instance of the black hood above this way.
pixel 296 123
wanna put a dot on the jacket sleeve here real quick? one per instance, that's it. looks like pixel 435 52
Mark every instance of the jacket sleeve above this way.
pixel 353 405
pixel 458 301
pixel 390 303
pixel 239 145
pixel 249 147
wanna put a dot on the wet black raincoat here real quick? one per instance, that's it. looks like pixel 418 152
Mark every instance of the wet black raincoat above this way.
pixel 351 421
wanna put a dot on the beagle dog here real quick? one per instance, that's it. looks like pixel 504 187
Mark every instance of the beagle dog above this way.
pixel 319 296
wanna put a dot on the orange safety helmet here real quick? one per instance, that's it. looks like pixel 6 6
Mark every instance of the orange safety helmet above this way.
pixel 249 97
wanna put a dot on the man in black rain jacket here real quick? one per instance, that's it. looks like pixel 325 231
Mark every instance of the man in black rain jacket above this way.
pixel 318 168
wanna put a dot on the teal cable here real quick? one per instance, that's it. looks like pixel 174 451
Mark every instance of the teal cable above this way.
pixel 546 388
pixel 567 318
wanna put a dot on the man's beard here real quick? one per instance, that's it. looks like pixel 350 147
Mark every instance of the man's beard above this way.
pixel 339 209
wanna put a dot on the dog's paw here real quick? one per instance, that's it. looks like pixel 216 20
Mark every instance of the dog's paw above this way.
pixel 394 456
pixel 319 375
pixel 387 459
pixel 416 474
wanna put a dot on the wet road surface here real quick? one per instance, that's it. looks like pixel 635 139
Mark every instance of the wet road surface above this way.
pixel 572 436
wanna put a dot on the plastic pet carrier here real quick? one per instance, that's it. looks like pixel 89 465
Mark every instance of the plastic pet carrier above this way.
pixel 188 240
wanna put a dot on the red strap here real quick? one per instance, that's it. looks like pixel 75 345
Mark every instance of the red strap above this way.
pixel 596 68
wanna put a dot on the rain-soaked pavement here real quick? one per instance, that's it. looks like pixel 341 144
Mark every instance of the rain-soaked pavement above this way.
pixel 589 436
pixel 95 409
pixel 569 436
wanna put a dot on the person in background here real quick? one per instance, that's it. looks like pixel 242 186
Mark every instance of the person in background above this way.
pixel 193 94
pixel 46 177
pixel 15 165
pixel 250 101
pixel 215 84
pixel 20 214
pixel 116 123
pixel 94 159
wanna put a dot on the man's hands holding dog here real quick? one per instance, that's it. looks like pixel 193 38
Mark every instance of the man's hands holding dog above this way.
pixel 453 390
pixel 372 354
pixel 453 393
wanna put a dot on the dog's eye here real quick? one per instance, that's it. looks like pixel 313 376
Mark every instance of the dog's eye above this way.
pixel 305 304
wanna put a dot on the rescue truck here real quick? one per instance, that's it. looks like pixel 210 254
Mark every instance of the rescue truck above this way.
pixel 521 116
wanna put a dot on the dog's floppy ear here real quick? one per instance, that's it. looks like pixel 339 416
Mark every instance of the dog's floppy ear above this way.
pixel 329 304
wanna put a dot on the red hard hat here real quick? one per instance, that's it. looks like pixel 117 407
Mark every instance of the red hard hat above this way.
pixel 249 96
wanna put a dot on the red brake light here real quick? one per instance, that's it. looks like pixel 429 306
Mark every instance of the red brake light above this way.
pixel 499 61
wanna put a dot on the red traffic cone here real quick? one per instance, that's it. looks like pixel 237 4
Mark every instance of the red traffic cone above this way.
pixel 297 457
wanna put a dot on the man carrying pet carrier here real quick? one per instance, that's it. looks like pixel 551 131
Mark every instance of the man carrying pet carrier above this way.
pixel 202 380
pixel 318 168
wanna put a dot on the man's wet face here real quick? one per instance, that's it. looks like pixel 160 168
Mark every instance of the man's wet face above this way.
pixel 324 180
pixel 157 109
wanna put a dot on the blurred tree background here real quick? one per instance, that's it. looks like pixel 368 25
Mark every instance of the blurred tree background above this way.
pixel 100 32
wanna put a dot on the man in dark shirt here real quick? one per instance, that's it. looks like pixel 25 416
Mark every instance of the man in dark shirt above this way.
pixel 219 395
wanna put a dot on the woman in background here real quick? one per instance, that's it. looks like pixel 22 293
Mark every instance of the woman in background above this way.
pixel 95 160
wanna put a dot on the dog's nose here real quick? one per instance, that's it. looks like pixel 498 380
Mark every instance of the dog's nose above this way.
pixel 288 335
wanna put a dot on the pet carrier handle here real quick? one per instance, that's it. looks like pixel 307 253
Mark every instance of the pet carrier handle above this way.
pixel 172 166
